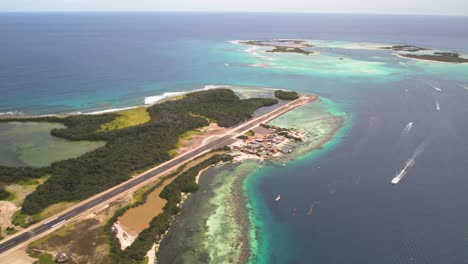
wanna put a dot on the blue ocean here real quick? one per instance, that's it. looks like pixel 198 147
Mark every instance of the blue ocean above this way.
pixel 55 63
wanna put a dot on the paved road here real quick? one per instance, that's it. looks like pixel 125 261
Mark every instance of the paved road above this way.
pixel 151 174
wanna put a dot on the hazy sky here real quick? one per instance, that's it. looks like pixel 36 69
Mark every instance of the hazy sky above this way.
pixel 435 7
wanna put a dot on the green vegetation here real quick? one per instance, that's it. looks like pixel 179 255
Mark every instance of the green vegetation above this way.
pixel 12 175
pixel 286 95
pixel 128 149
pixel 10 231
pixel 242 137
pixel 284 49
pixel 127 118
pixel 23 220
pixel 45 259
pixel 5 195
pixel 184 183
pixel 250 133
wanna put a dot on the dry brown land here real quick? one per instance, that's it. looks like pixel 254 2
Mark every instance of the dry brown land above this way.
pixel 138 218
pixel 6 212
pixel 195 139
pixel 84 238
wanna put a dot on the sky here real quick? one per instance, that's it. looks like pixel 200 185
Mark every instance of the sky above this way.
pixel 424 7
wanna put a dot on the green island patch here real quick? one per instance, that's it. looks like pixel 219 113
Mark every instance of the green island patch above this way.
pixel 286 95
pixel 127 118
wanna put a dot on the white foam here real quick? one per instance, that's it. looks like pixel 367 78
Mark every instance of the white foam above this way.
pixel 11 113
pixel 157 98
pixel 261 65
pixel 106 111
pixel 463 86
pixel 254 50
pixel 235 41
pixel 214 86
pixel 251 49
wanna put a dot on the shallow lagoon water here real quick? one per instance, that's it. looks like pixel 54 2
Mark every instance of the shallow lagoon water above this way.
pixel 226 221
pixel 360 217
pixel 30 144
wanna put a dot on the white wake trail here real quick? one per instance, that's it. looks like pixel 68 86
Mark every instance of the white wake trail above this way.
pixel 408 164
pixel 407 128
pixel 436 88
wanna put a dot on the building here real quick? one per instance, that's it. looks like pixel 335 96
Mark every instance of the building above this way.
pixel 63 257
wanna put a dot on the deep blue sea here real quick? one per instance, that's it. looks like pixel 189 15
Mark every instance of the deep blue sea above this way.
pixel 65 62
pixel 69 62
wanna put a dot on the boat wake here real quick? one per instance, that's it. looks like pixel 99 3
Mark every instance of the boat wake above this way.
pixel 463 86
pixel 409 163
pixel 437 105
pixel 407 128
pixel 436 88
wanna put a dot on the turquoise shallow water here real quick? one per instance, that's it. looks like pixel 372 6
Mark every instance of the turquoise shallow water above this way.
pixel 267 234
pixel 87 62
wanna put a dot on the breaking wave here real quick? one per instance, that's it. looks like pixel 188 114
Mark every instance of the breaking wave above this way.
pixel 11 113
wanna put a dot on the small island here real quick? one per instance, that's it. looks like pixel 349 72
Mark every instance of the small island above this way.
pixel 414 52
pixel 286 95
pixel 290 49
pixel 282 46
pixel 448 57
pixel 407 48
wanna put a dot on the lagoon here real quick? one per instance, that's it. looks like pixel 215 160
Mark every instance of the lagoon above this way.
pixel 31 144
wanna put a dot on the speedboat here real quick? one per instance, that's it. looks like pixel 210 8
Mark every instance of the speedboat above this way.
pixel 277 198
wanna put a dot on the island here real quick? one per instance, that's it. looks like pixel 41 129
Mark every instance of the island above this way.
pixel 448 57
pixel 420 53
pixel 407 48
pixel 286 95
pixel 282 45
pixel 136 140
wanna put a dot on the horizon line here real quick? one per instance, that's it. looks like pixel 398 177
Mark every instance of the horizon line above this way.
pixel 225 12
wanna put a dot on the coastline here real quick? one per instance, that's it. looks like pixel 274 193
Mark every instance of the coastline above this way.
pixel 260 235
pixel 426 60
pixel 235 205
pixel 156 99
